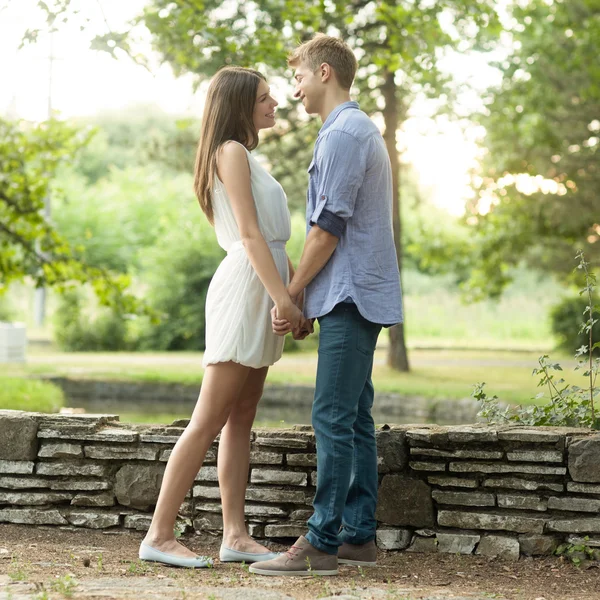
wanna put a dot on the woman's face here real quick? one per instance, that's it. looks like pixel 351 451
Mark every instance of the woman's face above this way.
pixel 264 108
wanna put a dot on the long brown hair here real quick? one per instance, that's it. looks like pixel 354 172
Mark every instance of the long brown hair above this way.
pixel 227 116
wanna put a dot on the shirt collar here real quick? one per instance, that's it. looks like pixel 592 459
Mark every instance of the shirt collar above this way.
pixel 333 115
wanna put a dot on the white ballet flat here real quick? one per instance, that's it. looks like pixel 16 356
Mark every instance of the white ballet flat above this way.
pixel 229 555
pixel 150 554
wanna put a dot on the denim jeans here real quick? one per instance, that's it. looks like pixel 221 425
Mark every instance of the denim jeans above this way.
pixel 346 495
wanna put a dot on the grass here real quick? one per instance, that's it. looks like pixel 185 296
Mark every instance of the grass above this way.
pixel 497 342
pixel 30 395
pixel 438 316
pixel 448 374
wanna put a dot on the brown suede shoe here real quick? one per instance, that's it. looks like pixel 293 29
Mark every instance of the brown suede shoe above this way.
pixel 360 555
pixel 301 559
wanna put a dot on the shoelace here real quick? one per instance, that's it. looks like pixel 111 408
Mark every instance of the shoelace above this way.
pixel 293 552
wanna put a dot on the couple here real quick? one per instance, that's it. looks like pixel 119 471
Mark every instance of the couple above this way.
pixel 347 279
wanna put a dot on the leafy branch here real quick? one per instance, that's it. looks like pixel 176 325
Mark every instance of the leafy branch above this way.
pixel 569 405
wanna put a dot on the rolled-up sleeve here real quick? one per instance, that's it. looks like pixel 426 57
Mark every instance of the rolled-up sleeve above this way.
pixel 341 166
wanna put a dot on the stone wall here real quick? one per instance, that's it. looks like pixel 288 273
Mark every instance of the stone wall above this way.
pixel 493 491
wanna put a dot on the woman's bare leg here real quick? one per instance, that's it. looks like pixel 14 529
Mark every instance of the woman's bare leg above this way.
pixel 233 462
pixel 221 388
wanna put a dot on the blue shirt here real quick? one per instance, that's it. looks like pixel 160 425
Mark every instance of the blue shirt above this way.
pixel 350 195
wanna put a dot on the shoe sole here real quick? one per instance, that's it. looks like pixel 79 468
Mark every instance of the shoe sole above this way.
pixel 149 554
pixel 356 563
pixel 176 566
pixel 233 556
pixel 258 571
pixel 247 561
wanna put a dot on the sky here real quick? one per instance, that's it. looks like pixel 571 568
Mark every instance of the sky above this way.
pixel 85 82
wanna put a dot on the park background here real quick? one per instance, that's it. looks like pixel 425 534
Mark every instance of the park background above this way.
pixel 491 112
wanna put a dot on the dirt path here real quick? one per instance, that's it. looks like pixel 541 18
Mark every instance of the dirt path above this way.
pixel 50 564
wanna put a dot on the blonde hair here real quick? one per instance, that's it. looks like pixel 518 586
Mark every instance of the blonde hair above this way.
pixel 228 115
pixel 326 49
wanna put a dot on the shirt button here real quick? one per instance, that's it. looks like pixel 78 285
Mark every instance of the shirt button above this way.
pixel 322 197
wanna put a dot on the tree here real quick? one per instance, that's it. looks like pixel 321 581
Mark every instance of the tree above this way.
pixel 398 42
pixel 30 246
pixel 540 179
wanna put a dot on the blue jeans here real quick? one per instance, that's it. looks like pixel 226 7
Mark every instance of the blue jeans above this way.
pixel 346 495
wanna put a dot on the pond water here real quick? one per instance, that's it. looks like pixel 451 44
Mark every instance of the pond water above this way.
pixel 285 407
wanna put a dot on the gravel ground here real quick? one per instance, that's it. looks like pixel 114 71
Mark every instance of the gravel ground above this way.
pixel 50 563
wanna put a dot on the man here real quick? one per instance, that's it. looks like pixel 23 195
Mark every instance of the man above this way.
pixel 349 274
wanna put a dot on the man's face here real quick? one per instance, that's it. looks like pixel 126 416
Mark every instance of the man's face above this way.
pixel 309 88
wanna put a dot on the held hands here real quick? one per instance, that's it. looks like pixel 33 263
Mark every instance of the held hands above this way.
pixel 283 327
pixel 288 317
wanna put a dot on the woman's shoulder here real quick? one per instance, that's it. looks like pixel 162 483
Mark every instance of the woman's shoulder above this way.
pixel 232 153
pixel 231 148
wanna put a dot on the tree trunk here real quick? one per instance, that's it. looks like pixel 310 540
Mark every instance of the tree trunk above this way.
pixel 397 355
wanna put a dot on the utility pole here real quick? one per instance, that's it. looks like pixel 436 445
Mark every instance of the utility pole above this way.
pixel 40 293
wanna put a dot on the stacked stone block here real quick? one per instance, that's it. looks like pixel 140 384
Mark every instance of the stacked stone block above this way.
pixel 494 491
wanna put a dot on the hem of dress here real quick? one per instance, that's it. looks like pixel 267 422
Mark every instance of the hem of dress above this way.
pixel 217 361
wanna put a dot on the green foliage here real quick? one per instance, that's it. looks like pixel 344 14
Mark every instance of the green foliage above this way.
pixel 516 320
pixel 30 395
pixel 116 219
pixel 140 136
pixel 65 585
pixel 30 245
pixel 543 134
pixel 577 553
pixel 178 270
pixel 568 405
pixel 434 242
pixel 75 330
pixel 399 44
pixel 566 324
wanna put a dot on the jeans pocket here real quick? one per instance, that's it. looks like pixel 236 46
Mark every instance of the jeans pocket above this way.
pixel 366 338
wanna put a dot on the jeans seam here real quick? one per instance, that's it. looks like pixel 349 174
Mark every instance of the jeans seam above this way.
pixel 368 409
pixel 334 411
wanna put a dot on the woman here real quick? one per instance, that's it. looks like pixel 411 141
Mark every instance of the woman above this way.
pixel 248 209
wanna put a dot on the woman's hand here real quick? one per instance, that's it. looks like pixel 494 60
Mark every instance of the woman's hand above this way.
pixel 286 317
pixel 283 327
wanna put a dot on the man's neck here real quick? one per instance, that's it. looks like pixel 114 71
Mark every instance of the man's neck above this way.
pixel 333 102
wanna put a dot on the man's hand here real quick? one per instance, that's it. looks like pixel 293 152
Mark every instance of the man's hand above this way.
pixel 283 326
pixel 286 311
pixel 302 333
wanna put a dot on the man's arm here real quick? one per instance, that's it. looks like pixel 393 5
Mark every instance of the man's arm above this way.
pixel 319 247
pixel 341 167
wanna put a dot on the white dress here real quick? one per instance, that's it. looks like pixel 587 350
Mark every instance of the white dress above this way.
pixel 238 320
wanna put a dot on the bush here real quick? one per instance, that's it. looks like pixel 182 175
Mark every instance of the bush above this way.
pixel 77 331
pixel 567 317
pixel 30 395
pixel 178 270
